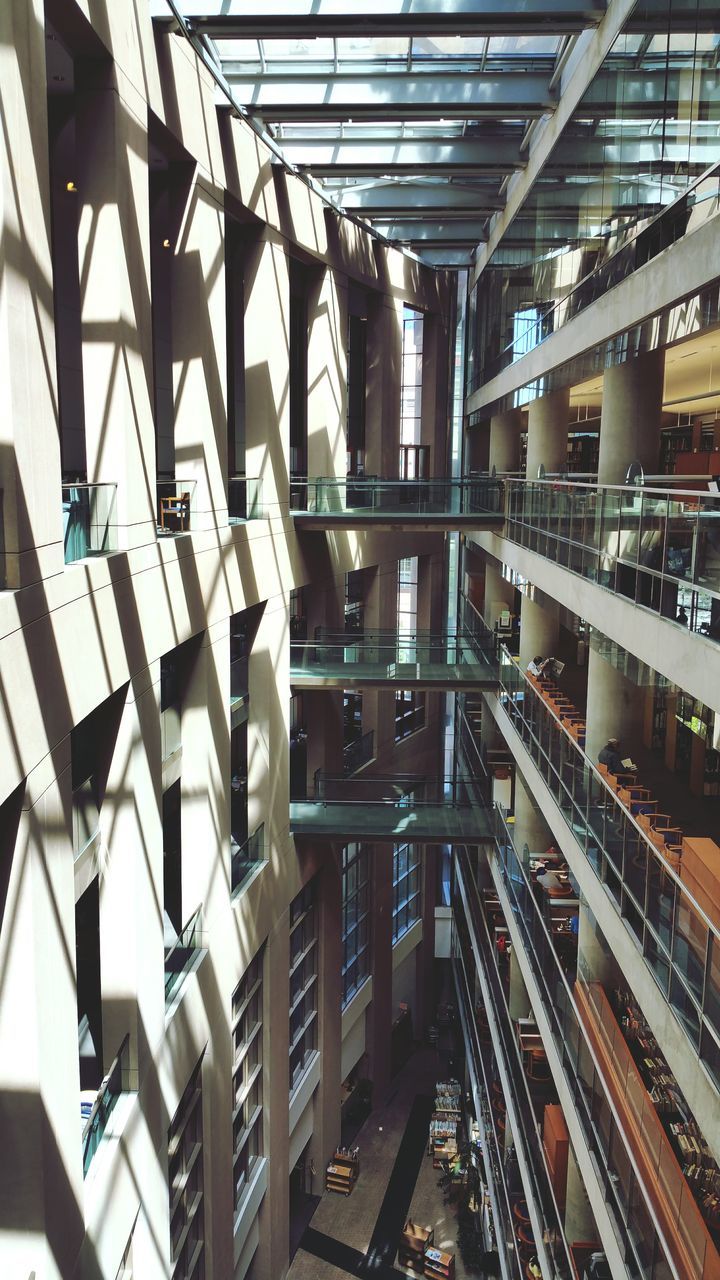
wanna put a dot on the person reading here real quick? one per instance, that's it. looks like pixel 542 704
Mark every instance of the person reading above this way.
pixel 611 757
pixel 537 666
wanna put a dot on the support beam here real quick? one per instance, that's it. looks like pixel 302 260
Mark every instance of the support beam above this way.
pixel 264 19
pixel 418 200
pixel 399 95
pixel 460 231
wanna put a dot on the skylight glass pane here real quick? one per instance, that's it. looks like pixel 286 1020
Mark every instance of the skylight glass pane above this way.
pixel 319 49
pixel 239 50
pixel 449 46
pixel 523 46
pixel 366 48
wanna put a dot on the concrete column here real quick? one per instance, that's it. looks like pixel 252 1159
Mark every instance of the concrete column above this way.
pixel 267 365
pixel 131 880
pixel 200 357
pixel 499 593
pixel 579 1221
pixel 31 493
pixel 595 963
pixel 327 375
pixel 269 728
pixel 476 451
pixel 518 999
pixel 505 429
pixel 41 1186
pixel 630 417
pixel 272 1252
pixel 530 827
pixel 615 708
pixel 384 364
pixel 205 778
pixel 547 432
pixel 539 629
pixel 114 273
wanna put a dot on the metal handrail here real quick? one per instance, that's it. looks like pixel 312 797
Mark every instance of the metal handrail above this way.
pixel 107 1095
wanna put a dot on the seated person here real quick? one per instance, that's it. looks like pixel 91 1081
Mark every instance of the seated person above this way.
pixel 548 879
pixel 537 666
pixel 611 757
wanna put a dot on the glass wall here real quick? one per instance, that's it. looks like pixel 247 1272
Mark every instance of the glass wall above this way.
pixel 407 892
pixel 303 982
pixel 355 918
pixel 247 1033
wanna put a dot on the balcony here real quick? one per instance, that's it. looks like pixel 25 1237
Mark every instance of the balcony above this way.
pixel 116 1082
pixel 89 520
pixel 658 547
pixel 239 695
pixel 390 659
pixel 181 955
pixel 244 499
pixel 246 858
pixel 679 937
pixel 360 502
pixel 175 501
pixel 397 809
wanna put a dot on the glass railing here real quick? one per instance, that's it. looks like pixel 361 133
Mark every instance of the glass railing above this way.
pixel 85 814
pixel 679 941
pixel 401 791
pixel 245 498
pixel 394 652
pixel 89 520
pixel 373 496
pixel 175 503
pixel 170 731
pixel 239 679
pixel 480 1071
pixel 659 547
pixel 616 1163
pixel 180 956
pixel 245 858
pixel 632 247
pixel 116 1081
pixel 358 753
pixel 541 1190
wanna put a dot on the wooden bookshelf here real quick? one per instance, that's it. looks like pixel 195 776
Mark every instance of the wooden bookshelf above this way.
pixel 413 1243
pixel 439 1265
pixel 342 1174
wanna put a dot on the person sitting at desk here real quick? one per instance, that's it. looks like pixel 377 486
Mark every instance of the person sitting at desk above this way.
pixel 548 879
pixel 611 757
pixel 537 666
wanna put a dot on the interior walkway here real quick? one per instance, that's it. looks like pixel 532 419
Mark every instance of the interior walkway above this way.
pixel 358 1235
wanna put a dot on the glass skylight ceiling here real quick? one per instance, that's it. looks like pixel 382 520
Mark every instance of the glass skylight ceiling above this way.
pixel 420 131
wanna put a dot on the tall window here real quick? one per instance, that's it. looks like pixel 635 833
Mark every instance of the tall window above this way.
pixel 247 1031
pixel 355 918
pixel 409 703
pixel 185 1176
pixel 407 900
pixel 303 982
pixel 411 385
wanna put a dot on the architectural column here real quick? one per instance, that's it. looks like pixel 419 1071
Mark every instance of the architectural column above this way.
pixel 267 369
pixel 269 728
pixel 31 525
pixel 131 880
pixel 476 448
pixel 380 1011
pixel 595 962
pixel 547 432
pixel 114 274
pixel 327 375
pixel 518 999
pixel 326 1117
pixel 41 1183
pixel 200 357
pixel 272 1252
pixel 630 418
pixel 539 629
pixel 529 827
pixel 383 379
pixel 615 708
pixel 499 593
pixel 579 1222
pixel 434 402
pixel 505 430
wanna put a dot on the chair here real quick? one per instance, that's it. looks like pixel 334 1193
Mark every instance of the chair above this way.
pixel 176 506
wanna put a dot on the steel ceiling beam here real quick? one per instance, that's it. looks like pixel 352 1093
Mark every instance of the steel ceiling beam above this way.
pixel 455 231
pixel 419 201
pixel 398 95
pixel 338 157
pixel 302 19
